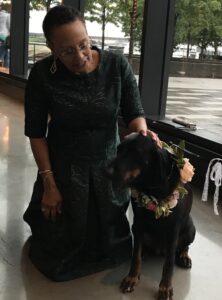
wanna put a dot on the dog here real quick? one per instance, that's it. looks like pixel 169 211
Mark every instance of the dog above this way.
pixel 161 213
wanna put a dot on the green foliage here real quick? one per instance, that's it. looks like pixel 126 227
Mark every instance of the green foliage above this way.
pixel 149 202
pixel 162 209
pixel 5 5
pixel 42 4
pixel 132 23
pixel 177 151
pixel 198 22
pixel 102 12
pixel 126 19
pixel 119 13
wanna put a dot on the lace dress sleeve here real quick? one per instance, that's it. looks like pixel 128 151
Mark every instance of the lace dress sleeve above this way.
pixel 131 106
pixel 36 105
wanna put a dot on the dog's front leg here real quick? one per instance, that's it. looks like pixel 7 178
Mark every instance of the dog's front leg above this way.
pixel 129 282
pixel 165 286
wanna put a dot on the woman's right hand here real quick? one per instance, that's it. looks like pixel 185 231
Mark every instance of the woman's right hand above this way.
pixel 51 200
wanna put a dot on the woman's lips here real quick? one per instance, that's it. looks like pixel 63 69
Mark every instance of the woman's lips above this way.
pixel 82 62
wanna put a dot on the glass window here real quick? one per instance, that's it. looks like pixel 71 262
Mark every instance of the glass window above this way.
pixel 37 44
pixel 116 26
pixel 5 20
pixel 195 83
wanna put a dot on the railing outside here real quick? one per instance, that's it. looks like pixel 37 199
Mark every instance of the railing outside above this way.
pixel 37 51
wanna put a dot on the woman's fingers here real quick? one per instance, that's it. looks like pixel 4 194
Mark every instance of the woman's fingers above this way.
pixel 59 207
pixel 51 203
pixel 51 212
pixel 153 135
pixel 144 132
pixel 45 212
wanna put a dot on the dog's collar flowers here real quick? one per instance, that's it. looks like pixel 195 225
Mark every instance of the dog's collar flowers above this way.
pixel 185 167
pixel 151 203
pixel 186 174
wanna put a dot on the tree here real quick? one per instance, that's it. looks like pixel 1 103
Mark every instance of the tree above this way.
pixel 42 4
pixel 102 12
pixel 198 22
pixel 132 22
pixel 186 21
pixel 216 26
pixel 5 5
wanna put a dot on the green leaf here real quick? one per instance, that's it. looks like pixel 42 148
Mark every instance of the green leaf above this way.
pixel 182 144
pixel 182 191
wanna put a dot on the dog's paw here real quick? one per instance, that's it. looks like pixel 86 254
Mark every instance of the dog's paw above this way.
pixel 128 284
pixel 165 293
pixel 183 260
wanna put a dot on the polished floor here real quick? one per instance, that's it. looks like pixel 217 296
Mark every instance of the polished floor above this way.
pixel 19 280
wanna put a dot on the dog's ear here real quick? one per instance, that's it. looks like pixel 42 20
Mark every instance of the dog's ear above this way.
pixel 163 162
pixel 159 166
pixel 146 147
pixel 168 172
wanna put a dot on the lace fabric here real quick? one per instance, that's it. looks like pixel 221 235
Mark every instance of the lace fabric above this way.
pixel 82 135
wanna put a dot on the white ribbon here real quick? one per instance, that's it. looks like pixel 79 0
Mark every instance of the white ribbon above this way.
pixel 216 176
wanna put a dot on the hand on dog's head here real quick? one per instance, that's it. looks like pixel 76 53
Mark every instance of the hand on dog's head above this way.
pixel 141 164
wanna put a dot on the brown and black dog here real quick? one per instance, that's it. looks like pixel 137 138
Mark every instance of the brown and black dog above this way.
pixel 153 172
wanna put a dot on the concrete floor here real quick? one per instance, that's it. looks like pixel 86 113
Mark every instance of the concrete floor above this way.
pixel 19 280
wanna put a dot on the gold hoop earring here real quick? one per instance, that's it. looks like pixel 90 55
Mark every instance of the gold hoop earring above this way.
pixel 53 67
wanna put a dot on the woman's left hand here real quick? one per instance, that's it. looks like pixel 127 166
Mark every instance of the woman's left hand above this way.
pixel 153 135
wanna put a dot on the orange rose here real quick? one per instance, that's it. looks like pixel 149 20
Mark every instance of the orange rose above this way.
pixel 187 172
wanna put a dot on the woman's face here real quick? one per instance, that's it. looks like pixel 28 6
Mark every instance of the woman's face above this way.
pixel 70 43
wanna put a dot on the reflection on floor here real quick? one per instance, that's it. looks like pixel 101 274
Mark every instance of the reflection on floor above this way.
pixel 19 280
pixel 4 70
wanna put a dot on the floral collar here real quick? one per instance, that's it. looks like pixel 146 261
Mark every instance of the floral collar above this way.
pixel 164 207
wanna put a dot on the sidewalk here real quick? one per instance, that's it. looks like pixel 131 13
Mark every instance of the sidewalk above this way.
pixel 199 99
pixel 195 83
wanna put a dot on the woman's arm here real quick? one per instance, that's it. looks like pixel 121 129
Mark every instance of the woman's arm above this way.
pixel 52 199
pixel 138 125
pixel 40 151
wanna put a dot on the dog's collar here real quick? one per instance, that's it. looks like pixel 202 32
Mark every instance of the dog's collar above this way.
pixel 160 208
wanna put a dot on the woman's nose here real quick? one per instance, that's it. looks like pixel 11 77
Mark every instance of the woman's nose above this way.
pixel 79 54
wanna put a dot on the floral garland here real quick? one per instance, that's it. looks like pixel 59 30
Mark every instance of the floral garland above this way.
pixel 186 173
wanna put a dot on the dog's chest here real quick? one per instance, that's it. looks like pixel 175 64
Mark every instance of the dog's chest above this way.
pixel 148 223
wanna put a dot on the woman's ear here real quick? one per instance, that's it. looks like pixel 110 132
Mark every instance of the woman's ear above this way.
pixel 49 45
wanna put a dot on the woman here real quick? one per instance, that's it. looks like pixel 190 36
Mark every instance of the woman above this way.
pixel 77 218
pixel 4 36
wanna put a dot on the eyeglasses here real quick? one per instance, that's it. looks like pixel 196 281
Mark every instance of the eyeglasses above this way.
pixel 70 51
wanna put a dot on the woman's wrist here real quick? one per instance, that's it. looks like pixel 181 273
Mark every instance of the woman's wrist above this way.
pixel 44 172
pixel 47 178
pixel 138 125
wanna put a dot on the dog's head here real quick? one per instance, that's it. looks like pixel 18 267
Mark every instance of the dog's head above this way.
pixel 141 164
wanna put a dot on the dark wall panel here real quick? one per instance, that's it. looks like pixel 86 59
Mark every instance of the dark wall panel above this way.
pixel 79 4
pixel 19 37
pixel 155 57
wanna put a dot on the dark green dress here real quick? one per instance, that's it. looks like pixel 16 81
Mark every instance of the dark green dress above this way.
pixel 92 233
